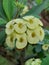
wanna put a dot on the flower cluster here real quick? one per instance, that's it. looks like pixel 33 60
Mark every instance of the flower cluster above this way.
pixel 25 10
pixel 33 62
pixel 22 31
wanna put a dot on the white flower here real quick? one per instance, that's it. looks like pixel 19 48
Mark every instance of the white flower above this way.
pixel 29 62
pixel 41 33
pixel 39 21
pixel 32 36
pixel 33 61
pixel 45 47
pixel 36 62
pixel 25 10
pixel 9 27
pixel 20 26
pixel 10 41
pixel 10 23
pixel 30 22
pixel 21 41
pixel 8 31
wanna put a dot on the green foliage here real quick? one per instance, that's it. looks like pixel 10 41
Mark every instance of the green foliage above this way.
pixel 29 50
pixel 4 61
pixel 23 1
pixel 38 48
pixel 45 61
pixel 2 21
pixel 2 37
pixel 37 10
pixel 19 5
pixel 8 6
pixel 2 31
pixel 2 14
pixel 46 39
pixel 39 1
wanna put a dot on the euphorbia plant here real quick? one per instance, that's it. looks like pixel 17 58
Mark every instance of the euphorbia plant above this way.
pixel 23 31
pixel 24 36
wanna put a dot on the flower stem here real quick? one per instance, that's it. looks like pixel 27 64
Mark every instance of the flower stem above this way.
pixel 22 57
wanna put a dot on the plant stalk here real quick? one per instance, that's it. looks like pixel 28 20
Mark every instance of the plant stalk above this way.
pixel 22 55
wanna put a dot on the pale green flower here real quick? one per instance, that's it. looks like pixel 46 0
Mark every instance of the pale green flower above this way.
pixel 33 61
pixel 20 26
pixel 21 41
pixel 38 60
pixel 45 47
pixel 9 27
pixel 32 36
pixel 10 41
pixel 39 21
pixel 25 10
pixel 41 33
pixel 32 22
pixel 29 62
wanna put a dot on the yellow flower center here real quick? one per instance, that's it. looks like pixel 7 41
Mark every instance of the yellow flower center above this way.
pixel 11 39
pixel 46 46
pixel 20 25
pixel 21 39
pixel 30 21
pixel 33 34
pixel 11 26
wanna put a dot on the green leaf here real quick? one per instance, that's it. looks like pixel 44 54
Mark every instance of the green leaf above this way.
pixel 45 61
pixel 8 6
pixel 2 37
pixel 23 1
pixel 2 21
pixel 2 13
pixel 29 50
pixel 4 61
pixel 47 27
pixel 38 48
pixel 46 39
pixel 37 10
pixel 39 1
